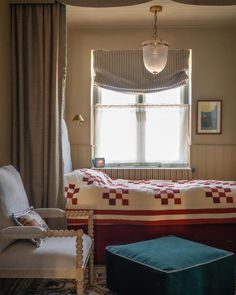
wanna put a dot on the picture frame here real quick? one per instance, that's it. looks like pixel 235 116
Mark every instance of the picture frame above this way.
pixel 209 116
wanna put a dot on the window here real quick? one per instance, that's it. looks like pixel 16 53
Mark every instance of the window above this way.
pixel 142 129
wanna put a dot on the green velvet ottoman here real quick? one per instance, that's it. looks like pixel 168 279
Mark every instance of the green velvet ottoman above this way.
pixel 169 266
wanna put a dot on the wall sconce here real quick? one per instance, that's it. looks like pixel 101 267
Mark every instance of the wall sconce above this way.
pixel 79 119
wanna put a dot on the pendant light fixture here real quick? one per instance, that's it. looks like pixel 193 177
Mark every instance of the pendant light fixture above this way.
pixel 155 51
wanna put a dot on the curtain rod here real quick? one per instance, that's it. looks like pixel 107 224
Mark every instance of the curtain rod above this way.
pixel 33 1
pixel 83 3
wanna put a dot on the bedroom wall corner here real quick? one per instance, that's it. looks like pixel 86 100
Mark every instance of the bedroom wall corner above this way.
pixel 5 84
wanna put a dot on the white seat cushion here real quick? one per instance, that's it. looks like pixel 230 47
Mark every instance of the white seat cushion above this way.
pixel 54 255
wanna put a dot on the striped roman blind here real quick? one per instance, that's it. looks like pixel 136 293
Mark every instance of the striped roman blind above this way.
pixel 124 71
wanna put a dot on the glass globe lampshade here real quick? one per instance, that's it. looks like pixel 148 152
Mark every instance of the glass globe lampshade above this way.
pixel 155 51
pixel 155 54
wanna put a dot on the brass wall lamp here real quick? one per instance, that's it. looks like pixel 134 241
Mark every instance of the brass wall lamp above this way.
pixel 79 119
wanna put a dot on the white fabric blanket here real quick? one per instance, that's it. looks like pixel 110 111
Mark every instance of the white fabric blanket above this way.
pixel 150 201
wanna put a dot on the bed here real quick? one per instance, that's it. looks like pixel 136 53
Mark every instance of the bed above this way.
pixel 132 210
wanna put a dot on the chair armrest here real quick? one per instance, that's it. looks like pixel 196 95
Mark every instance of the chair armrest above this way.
pixel 83 213
pixel 58 213
pixel 50 212
pixel 23 232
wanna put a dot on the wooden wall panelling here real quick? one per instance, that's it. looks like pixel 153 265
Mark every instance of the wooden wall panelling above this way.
pixel 214 161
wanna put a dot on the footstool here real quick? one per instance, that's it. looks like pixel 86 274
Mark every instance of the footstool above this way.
pixel 169 266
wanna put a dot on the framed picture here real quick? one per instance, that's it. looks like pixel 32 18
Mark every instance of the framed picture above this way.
pixel 209 116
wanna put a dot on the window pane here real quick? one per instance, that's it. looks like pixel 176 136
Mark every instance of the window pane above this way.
pixel 114 97
pixel 116 134
pixel 172 96
pixel 166 134
pixel 160 135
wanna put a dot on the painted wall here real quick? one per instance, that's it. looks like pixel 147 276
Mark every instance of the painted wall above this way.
pixel 5 96
pixel 213 77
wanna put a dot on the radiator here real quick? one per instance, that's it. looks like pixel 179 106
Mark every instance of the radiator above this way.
pixel 149 173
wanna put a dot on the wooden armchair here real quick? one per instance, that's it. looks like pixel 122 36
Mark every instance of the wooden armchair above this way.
pixel 62 253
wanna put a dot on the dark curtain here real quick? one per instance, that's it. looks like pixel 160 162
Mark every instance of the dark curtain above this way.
pixel 38 72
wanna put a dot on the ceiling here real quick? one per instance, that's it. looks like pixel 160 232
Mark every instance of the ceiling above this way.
pixel 173 14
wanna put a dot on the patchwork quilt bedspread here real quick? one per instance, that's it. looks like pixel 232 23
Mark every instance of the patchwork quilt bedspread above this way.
pixel 150 201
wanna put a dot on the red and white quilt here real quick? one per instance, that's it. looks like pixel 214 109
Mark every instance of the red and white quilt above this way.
pixel 150 201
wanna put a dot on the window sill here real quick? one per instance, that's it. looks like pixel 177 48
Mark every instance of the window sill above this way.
pixel 143 167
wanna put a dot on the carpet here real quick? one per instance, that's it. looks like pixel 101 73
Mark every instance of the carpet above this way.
pixel 53 287
pixel 59 287
pixel 56 287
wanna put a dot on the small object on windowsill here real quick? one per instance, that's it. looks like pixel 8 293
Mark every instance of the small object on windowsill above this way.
pixel 99 162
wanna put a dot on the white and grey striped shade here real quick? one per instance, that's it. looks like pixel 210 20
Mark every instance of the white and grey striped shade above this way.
pixel 208 2
pixel 103 3
pixel 124 71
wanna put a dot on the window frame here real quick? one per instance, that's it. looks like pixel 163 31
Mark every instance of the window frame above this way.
pixel 141 101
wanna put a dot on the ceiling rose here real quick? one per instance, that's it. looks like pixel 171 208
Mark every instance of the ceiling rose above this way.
pixel 208 2
pixel 103 3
